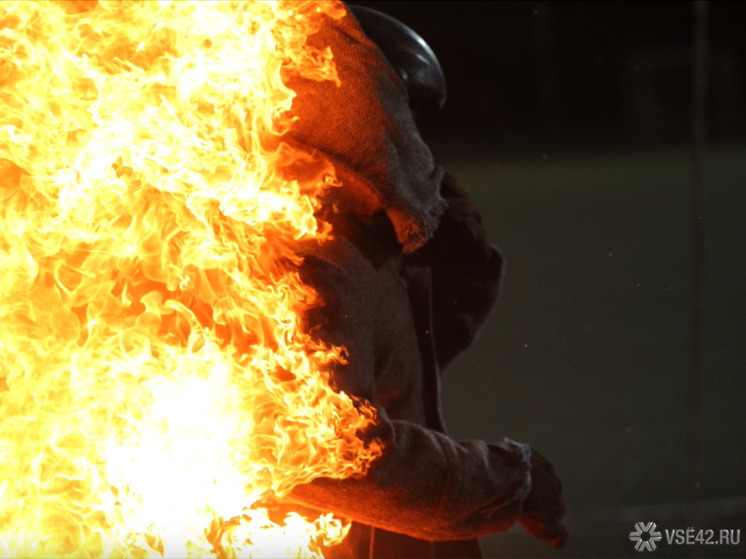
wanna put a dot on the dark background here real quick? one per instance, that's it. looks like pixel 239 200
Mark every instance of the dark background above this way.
pixel 517 70
pixel 570 125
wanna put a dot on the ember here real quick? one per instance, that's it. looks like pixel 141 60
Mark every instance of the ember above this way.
pixel 157 393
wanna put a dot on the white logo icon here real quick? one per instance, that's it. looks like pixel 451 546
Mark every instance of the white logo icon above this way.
pixel 645 536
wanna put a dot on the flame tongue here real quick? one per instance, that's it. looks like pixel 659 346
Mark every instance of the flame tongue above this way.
pixel 156 391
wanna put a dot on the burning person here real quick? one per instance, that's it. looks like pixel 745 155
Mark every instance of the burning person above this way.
pixel 210 212
pixel 406 283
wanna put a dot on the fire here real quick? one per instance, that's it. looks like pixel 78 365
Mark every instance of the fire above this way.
pixel 158 395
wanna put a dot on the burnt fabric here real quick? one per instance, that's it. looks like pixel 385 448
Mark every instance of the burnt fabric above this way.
pixel 406 283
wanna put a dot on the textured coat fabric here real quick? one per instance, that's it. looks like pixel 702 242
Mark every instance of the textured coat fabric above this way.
pixel 390 311
pixel 406 284
pixel 364 126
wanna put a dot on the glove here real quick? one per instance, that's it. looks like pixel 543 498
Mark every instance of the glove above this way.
pixel 543 508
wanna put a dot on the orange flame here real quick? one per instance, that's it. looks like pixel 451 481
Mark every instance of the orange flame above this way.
pixel 157 393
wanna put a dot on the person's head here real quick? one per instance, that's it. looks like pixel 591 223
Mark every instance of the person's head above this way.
pixel 365 127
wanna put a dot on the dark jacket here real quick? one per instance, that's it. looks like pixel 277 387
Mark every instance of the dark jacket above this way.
pixel 406 283
pixel 402 318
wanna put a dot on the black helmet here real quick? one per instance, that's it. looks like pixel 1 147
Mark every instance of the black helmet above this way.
pixel 408 53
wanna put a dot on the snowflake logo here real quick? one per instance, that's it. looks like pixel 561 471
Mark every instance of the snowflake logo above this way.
pixel 645 536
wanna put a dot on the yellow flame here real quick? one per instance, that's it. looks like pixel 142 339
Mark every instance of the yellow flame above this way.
pixel 157 393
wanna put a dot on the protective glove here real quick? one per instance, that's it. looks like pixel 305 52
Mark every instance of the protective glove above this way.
pixel 543 507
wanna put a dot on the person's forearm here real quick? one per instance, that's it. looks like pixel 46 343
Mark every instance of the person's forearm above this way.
pixel 429 486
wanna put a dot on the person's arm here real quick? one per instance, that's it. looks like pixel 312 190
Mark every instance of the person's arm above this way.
pixel 425 484
pixel 428 486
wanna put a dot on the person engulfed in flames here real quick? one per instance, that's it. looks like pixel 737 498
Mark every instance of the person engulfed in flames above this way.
pixel 230 274
pixel 407 281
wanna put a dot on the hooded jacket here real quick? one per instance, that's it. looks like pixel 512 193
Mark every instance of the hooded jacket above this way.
pixel 407 281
